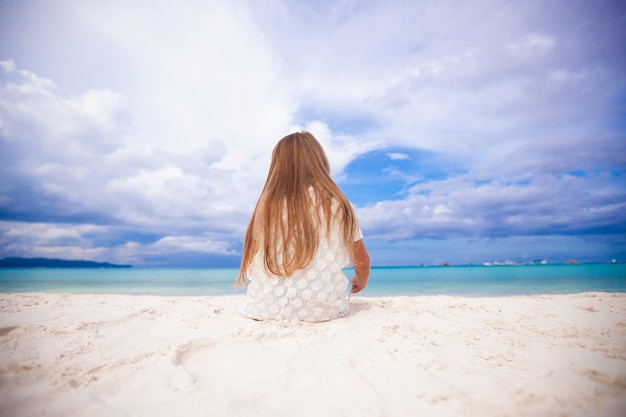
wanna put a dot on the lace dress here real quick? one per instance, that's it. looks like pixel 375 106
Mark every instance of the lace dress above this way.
pixel 316 293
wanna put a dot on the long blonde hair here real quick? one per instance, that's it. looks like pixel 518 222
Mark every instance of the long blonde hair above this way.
pixel 286 220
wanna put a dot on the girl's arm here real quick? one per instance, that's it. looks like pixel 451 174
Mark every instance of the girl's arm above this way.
pixel 361 264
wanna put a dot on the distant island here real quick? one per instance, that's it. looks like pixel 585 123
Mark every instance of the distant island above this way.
pixel 54 263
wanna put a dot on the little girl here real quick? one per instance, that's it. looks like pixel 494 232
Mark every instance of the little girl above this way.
pixel 302 233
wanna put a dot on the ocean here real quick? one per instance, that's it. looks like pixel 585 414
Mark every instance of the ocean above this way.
pixel 384 281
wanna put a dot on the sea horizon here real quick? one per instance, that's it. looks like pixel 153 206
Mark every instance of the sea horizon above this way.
pixel 457 280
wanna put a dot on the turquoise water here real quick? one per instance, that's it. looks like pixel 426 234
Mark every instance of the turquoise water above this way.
pixel 458 280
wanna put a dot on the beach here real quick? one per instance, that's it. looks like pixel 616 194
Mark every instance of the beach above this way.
pixel 124 355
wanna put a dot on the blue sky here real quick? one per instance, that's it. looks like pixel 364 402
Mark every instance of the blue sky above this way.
pixel 463 132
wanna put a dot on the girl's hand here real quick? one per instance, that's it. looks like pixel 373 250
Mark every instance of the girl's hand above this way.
pixel 357 285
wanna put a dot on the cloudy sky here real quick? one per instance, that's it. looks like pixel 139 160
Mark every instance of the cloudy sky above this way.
pixel 462 131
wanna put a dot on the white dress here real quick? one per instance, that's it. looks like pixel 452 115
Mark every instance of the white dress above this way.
pixel 316 293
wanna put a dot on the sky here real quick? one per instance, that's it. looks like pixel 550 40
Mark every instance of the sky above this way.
pixel 140 132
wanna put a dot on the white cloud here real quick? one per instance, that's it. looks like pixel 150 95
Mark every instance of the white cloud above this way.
pixel 209 76
pixel 398 156
pixel 174 244
pixel 50 124
pixel 533 43
pixel 85 242
pixel 459 207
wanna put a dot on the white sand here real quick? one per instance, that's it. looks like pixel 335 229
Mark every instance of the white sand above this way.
pixel 116 355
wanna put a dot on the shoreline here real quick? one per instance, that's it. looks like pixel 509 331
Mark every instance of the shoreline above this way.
pixel 105 354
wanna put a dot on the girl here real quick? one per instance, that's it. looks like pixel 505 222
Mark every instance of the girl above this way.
pixel 302 233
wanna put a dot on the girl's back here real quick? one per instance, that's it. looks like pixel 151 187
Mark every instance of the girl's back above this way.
pixel 302 233
pixel 315 293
